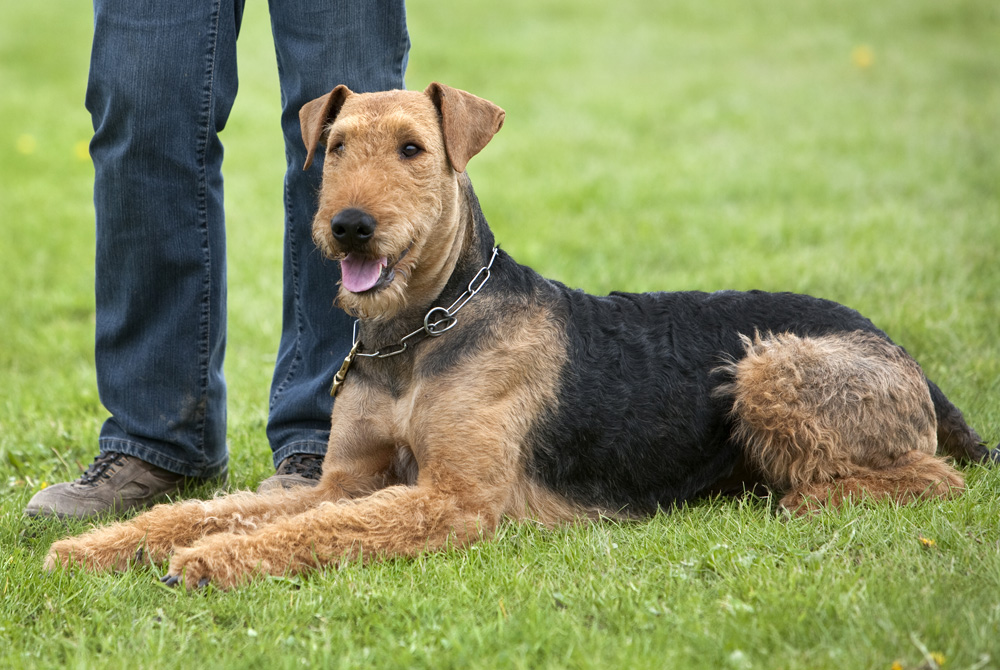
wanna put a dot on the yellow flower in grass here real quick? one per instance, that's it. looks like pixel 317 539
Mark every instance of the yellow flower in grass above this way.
pixel 26 144
pixel 927 543
pixel 82 150
pixel 862 56
pixel 932 660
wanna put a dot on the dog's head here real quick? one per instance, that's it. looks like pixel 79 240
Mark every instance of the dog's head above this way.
pixel 390 205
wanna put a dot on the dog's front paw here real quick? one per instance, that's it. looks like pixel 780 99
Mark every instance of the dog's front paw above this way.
pixel 218 561
pixel 64 554
pixel 88 552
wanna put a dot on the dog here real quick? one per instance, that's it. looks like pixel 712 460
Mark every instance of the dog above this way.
pixel 478 390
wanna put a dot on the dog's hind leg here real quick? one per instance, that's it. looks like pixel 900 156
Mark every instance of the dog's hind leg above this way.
pixel 153 535
pixel 914 476
pixel 839 416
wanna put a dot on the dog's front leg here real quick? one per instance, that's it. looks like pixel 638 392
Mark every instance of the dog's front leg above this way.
pixel 353 468
pixel 467 469
pixel 395 521
pixel 153 535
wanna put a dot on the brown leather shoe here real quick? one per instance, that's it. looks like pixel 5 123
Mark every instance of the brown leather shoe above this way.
pixel 296 470
pixel 114 483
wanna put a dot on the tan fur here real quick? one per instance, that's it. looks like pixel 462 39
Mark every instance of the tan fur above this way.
pixel 439 463
pixel 837 416
pixel 153 535
pixel 913 476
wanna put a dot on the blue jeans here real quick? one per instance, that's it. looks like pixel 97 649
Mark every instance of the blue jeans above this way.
pixel 162 82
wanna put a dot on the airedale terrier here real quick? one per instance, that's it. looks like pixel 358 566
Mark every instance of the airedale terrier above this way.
pixel 478 390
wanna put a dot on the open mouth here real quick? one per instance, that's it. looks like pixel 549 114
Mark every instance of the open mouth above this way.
pixel 360 274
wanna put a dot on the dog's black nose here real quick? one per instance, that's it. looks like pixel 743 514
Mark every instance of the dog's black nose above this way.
pixel 352 227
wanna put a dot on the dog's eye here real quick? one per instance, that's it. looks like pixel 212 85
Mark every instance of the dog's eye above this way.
pixel 338 148
pixel 409 150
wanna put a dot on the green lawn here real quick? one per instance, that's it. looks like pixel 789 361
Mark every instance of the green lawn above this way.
pixel 849 150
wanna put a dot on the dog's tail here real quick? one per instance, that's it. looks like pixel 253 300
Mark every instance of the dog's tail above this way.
pixel 955 437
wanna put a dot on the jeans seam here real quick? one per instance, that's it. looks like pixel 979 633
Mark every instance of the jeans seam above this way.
pixel 293 261
pixel 401 56
pixel 204 133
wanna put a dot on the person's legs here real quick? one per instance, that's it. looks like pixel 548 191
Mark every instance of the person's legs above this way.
pixel 319 45
pixel 162 83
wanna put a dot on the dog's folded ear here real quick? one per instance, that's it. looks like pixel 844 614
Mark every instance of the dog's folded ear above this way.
pixel 467 122
pixel 316 116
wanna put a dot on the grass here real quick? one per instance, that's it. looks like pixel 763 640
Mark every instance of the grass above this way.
pixel 846 150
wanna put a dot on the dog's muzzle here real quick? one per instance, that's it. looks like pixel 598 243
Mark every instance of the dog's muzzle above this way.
pixel 353 231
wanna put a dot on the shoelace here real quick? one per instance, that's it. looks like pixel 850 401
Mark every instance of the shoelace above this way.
pixel 309 466
pixel 99 468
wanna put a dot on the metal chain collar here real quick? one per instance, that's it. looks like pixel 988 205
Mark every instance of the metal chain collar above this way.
pixel 437 321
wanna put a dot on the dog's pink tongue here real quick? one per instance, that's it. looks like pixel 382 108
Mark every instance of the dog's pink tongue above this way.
pixel 360 274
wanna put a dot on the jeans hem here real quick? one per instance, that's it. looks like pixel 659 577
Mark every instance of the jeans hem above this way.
pixel 315 447
pixel 156 457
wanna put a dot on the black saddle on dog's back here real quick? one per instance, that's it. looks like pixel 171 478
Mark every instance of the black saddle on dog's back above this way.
pixel 637 426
